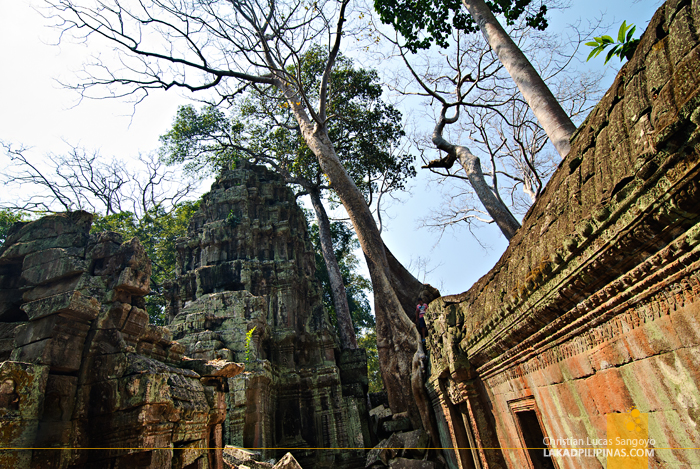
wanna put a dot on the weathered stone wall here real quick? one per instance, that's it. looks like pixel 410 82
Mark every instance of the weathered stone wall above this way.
pixel 82 371
pixel 594 306
pixel 247 267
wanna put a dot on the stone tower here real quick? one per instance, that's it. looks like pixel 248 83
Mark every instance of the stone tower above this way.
pixel 246 291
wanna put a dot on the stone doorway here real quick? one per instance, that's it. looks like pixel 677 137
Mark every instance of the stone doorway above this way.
pixel 531 432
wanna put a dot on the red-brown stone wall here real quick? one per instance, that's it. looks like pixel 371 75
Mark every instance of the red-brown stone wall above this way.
pixel 85 381
pixel 654 368
pixel 594 308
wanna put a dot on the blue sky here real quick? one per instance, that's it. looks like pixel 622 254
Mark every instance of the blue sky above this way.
pixel 36 111
pixel 458 260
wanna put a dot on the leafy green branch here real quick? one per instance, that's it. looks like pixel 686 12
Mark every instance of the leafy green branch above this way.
pixel 624 47
pixel 248 338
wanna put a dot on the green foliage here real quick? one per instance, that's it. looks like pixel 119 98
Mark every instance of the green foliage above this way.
pixel 424 22
pixel 157 231
pixel 248 339
pixel 624 47
pixel 364 131
pixel 7 219
pixel 232 219
pixel 356 286
pixel 200 139
pixel 363 128
pixel 368 341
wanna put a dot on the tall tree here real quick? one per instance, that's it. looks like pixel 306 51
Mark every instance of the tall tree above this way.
pixel 263 129
pixel 506 161
pixel 411 18
pixel 344 245
pixel 231 46
pixel 357 286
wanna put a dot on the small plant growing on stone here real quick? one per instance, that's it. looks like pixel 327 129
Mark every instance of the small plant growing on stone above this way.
pixel 248 338
pixel 232 219
pixel 623 48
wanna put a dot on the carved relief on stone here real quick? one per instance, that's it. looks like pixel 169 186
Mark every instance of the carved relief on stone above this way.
pixel 247 287
pixel 454 392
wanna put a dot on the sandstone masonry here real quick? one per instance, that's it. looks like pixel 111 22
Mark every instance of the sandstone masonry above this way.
pixel 83 375
pixel 247 270
pixel 593 309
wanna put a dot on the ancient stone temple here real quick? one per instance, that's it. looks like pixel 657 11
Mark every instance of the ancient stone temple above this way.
pixel 594 308
pixel 82 374
pixel 247 292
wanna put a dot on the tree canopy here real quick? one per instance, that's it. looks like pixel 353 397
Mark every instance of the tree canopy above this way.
pixel 486 126
pixel 229 48
pixel 366 131
pixel 424 22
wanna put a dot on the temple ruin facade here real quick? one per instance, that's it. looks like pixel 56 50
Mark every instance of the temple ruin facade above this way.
pixel 247 270
pixel 88 382
pixel 82 368
pixel 591 315
pixel 593 310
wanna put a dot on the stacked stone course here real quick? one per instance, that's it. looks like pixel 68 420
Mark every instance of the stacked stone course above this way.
pixel 593 308
pixel 247 269
pixel 84 377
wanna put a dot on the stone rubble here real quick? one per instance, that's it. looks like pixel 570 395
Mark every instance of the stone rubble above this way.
pixel 399 447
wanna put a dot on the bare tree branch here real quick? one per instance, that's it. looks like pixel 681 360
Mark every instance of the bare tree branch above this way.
pixel 473 99
pixel 82 180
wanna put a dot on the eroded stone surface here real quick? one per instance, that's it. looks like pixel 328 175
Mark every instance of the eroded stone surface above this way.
pixel 83 368
pixel 247 270
pixel 287 462
pixel 593 308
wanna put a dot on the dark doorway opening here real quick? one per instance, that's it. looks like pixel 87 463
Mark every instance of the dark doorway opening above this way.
pixel 533 439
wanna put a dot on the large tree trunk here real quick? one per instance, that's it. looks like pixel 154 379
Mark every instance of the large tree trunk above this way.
pixel 493 204
pixel 409 289
pixel 340 298
pixel 398 341
pixel 545 107
pixel 472 167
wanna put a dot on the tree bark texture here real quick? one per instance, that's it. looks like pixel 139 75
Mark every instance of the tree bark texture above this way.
pixel 544 105
pixel 398 340
pixel 340 298
pixel 493 204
